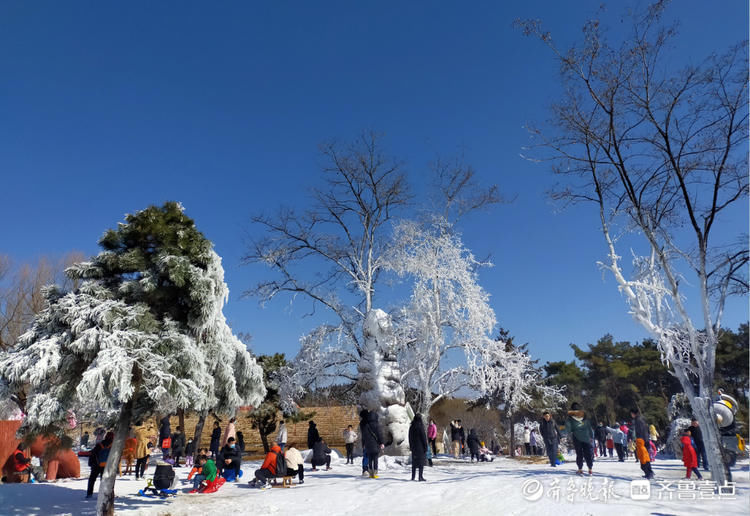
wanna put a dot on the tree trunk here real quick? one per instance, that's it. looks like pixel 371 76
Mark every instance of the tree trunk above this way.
pixel 703 408
pixel 105 502
pixel 264 440
pixel 198 433
pixel 181 416
pixel 512 445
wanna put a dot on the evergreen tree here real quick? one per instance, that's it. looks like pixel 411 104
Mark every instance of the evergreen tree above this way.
pixel 144 333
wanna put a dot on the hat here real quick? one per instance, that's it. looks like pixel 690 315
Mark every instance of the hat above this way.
pixel 575 406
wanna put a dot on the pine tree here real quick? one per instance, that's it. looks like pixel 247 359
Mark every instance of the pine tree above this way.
pixel 143 333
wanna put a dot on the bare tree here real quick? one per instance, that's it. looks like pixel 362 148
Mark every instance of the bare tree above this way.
pixel 344 233
pixel 21 291
pixel 662 153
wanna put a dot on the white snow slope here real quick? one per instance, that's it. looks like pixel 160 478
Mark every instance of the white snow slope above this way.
pixel 453 487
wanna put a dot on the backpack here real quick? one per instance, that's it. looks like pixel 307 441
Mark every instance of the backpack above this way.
pixel 102 456
pixel 163 476
pixel 166 442
pixel 280 465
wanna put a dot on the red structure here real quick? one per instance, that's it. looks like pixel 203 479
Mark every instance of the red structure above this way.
pixel 63 464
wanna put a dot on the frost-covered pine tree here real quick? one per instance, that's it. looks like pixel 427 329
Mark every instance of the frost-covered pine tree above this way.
pixel 448 309
pixel 142 334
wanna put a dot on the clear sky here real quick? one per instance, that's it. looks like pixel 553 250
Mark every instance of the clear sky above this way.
pixel 108 107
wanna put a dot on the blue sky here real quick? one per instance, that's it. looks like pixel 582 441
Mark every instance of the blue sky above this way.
pixel 106 108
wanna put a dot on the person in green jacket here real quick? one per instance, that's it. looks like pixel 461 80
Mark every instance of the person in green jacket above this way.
pixel 208 472
pixel 581 432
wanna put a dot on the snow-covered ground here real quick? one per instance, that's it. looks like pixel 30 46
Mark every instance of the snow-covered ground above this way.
pixel 454 487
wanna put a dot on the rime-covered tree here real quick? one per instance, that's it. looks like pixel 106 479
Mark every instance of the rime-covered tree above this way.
pixel 661 152
pixel 502 374
pixel 142 334
pixel 448 312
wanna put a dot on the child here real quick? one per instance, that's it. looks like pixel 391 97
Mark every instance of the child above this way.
pixel 197 466
pixel 189 451
pixel 645 459
pixel 208 473
pixel 689 457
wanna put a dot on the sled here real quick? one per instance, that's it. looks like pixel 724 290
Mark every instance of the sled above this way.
pixel 230 476
pixel 286 482
pixel 160 493
pixel 213 486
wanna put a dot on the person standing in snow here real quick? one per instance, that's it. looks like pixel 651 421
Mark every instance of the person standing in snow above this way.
pixel 97 461
pixel 418 446
pixel 215 439
pixel 372 440
pixel 241 442
pixel 350 437
pixel 312 434
pixel 178 446
pixel 164 430
pixel 142 452
pixel 473 444
pixel 580 431
pixel 601 437
pixel 432 435
pixel 620 441
pixel 229 432
pixel 462 438
pixel 551 437
pixel 653 436
pixel 610 444
pixel 282 436
pixel 455 438
pixel 700 449
pixel 534 442
pixel 84 440
pixel 527 440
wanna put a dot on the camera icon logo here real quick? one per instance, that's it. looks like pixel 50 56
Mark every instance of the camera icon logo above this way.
pixel 640 490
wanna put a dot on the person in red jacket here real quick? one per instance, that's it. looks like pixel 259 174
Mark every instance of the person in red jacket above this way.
pixel 22 465
pixel 689 457
pixel 267 470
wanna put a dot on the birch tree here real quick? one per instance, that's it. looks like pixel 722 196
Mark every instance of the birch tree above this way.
pixel 661 153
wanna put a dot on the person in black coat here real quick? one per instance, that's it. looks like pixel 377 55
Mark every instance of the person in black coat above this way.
pixel 321 455
pixel 601 437
pixel 473 443
pixel 312 434
pixel 164 429
pixel 215 439
pixel 230 458
pixel 551 436
pixel 418 446
pixel 178 446
pixel 700 447
pixel 372 440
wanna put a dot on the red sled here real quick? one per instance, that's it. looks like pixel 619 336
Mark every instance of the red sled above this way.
pixel 213 486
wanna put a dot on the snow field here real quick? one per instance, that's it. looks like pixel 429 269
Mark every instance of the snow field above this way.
pixel 453 488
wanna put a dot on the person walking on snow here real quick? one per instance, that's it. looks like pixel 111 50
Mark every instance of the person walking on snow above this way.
pixel 689 457
pixel 580 431
pixel 418 446
pixel 432 435
pixel 653 436
pixel 551 437
pixel 215 439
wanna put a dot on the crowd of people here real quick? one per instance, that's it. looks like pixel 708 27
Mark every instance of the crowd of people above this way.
pixel 223 458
